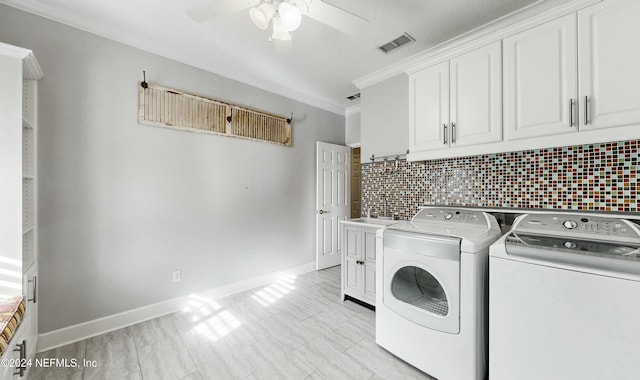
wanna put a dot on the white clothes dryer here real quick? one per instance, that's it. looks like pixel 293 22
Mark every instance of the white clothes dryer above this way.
pixel 432 291
pixel 564 299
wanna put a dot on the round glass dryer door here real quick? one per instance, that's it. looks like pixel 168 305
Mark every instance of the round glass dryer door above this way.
pixel 419 288
pixel 421 279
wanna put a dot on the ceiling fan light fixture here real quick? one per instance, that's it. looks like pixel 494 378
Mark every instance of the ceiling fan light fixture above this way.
pixel 290 16
pixel 262 15
pixel 279 30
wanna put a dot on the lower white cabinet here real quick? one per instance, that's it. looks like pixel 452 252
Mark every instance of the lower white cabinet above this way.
pixel 30 288
pixel 359 263
pixel 19 356
pixel 14 358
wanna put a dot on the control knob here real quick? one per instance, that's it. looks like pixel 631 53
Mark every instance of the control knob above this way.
pixel 570 224
pixel 448 216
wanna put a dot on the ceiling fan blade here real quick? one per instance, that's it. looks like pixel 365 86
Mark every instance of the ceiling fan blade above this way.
pixel 337 18
pixel 218 8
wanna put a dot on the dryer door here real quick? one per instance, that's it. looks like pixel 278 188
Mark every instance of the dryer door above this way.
pixel 421 279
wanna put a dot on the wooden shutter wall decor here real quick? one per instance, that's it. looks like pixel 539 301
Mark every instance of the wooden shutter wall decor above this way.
pixel 164 107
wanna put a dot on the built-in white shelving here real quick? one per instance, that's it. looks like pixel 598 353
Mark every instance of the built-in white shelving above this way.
pixel 19 73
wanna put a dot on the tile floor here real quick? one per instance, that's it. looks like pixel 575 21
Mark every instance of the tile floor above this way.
pixel 295 328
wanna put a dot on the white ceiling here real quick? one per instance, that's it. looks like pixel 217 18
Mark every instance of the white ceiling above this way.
pixel 317 67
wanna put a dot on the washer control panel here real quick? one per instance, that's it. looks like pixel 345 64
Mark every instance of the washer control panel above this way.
pixel 450 215
pixel 570 224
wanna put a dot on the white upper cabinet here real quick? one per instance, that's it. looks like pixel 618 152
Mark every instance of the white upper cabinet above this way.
pixel 457 102
pixel 429 108
pixel 476 97
pixel 540 82
pixel 571 77
pixel 609 56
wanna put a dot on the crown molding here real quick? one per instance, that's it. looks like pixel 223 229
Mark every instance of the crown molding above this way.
pixel 103 29
pixel 352 110
pixel 30 67
pixel 494 31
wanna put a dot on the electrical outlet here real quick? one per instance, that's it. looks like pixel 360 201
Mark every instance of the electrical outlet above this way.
pixel 176 275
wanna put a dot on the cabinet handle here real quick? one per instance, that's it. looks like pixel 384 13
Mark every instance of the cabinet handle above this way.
pixel 586 110
pixel 445 134
pixel 22 348
pixel 35 290
pixel 323 212
pixel 570 112
pixel 453 133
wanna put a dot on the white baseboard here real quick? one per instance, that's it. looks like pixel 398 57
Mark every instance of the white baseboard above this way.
pixel 71 334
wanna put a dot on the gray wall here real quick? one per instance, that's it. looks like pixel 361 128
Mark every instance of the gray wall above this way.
pixel 123 204
pixel 384 111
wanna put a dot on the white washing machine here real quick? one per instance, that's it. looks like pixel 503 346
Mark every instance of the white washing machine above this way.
pixel 564 300
pixel 431 291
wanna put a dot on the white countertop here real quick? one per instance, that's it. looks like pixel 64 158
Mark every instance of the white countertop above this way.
pixel 370 222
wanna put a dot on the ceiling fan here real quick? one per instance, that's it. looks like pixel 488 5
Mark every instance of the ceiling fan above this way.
pixel 283 15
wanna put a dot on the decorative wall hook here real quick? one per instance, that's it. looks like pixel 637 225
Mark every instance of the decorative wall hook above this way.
pixel 144 83
pixel 396 157
pixel 290 119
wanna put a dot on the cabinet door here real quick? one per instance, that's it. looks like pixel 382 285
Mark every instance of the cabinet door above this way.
pixel 540 80
pixel 353 242
pixel 369 243
pixel 12 354
pixel 369 282
pixel 30 292
pixel 609 58
pixel 352 273
pixel 429 108
pixel 476 97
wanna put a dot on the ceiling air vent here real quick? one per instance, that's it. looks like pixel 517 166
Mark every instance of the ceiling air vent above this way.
pixel 396 43
pixel 354 96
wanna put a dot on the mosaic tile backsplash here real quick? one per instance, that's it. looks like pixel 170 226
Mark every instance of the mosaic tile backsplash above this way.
pixel 595 177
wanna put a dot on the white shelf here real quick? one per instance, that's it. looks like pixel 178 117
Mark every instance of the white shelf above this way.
pixel 28 248
pixel 28 203
pixel 28 152
pixel 28 102
pixel 26 124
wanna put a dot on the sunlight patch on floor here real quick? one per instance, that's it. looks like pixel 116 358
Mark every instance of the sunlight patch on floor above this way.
pixel 273 292
pixel 212 321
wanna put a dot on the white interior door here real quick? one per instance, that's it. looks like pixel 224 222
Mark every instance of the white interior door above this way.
pixel 332 201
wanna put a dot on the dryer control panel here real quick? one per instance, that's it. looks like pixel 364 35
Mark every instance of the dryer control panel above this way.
pixel 578 225
pixel 451 215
